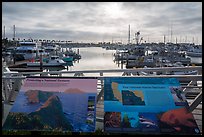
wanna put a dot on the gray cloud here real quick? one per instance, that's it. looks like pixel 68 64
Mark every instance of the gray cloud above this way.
pixel 97 21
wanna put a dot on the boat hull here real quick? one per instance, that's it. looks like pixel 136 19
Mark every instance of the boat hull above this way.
pixel 37 64
pixel 193 54
pixel 67 59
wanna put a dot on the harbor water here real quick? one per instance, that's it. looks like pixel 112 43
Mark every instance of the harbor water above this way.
pixel 95 58
pixel 92 58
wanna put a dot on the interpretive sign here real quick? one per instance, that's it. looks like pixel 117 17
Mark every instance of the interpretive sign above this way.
pixel 54 103
pixel 147 106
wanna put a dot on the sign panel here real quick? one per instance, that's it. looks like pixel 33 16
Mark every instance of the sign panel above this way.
pixel 146 105
pixel 54 103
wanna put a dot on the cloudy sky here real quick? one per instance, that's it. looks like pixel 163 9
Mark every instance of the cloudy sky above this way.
pixel 104 21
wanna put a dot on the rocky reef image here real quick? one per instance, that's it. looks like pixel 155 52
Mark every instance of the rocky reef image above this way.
pixel 49 116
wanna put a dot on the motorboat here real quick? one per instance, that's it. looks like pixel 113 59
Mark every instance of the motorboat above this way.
pixel 194 52
pixel 66 57
pixel 26 50
pixel 73 54
pixel 53 61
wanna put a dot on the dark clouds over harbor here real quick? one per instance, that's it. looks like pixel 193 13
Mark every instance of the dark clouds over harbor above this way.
pixel 100 21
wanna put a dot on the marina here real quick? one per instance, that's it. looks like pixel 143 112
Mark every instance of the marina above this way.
pixel 105 66
pixel 109 68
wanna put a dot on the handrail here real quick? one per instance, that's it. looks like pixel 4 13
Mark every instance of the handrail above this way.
pixel 191 108
pixel 163 69
pixel 180 77
pixel 101 77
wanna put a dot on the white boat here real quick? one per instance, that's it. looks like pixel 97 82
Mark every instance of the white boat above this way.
pixel 26 50
pixel 53 61
pixel 194 52
pixel 51 48
pixel 6 71
pixel 43 53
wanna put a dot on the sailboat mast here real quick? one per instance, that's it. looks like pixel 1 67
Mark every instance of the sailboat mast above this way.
pixel 176 40
pixel 4 36
pixel 171 33
pixel 129 35
pixel 164 39
pixel 14 32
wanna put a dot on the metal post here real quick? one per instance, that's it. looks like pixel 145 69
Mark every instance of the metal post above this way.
pixel 77 51
pixel 41 63
pixel 122 61
pixel 196 102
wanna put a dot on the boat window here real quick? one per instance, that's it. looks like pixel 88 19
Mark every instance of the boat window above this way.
pixel 20 51
pixel 27 44
pixel 29 51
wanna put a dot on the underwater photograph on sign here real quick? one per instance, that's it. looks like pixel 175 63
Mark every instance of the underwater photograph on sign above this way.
pixel 146 105
pixel 60 104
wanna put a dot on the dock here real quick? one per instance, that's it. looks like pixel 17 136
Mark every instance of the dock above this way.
pixel 26 69
pixel 18 64
pixel 21 66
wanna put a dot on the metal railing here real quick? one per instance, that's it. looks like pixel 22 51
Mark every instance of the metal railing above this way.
pixel 11 83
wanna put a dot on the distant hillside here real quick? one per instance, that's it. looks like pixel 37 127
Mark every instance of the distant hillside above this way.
pixel 74 90
pixel 35 96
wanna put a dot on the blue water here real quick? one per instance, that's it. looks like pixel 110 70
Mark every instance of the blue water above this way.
pixel 133 118
pixel 75 107
pixel 21 104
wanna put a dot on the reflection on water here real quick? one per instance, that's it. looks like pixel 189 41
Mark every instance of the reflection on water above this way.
pixel 95 58
pixel 196 59
pixel 92 58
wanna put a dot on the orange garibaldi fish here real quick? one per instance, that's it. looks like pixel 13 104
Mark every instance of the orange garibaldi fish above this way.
pixel 178 118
